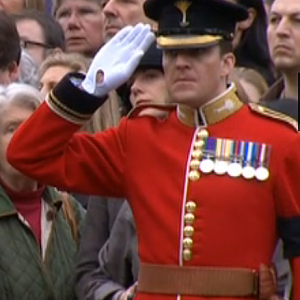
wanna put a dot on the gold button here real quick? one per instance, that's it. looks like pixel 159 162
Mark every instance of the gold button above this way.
pixel 190 206
pixel 187 243
pixel 194 175
pixel 260 108
pixel 196 154
pixel 199 144
pixel 203 133
pixel 188 231
pixel 189 219
pixel 187 254
pixel 195 164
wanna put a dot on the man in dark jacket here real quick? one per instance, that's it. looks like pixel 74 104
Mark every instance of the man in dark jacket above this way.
pixel 284 44
pixel 283 95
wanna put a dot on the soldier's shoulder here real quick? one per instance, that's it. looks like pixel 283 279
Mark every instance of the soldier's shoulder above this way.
pixel 157 110
pixel 274 115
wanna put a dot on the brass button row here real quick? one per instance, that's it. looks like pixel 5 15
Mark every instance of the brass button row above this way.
pixel 188 230
pixel 190 207
pixel 194 173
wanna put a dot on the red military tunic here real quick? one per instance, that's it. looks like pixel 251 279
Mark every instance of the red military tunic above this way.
pixel 184 217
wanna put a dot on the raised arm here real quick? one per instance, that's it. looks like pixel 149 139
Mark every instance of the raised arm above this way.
pixel 46 146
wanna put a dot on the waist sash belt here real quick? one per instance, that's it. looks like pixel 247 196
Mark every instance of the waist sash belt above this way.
pixel 204 281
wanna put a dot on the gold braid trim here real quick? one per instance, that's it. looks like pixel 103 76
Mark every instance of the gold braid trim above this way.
pixel 274 115
pixel 65 110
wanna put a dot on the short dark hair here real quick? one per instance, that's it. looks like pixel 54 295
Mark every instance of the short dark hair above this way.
pixel 225 46
pixel 10 49
pixel 52 31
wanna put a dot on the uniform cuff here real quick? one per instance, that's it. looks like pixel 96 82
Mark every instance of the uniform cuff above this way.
pixel 71 102
pixel 289 231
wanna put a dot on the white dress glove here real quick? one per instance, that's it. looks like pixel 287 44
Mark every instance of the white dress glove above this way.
pixel 118 59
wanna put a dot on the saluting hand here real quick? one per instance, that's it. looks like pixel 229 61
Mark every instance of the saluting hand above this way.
pixel 116 61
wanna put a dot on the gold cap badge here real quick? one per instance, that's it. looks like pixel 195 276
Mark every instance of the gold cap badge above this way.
pixel 183 6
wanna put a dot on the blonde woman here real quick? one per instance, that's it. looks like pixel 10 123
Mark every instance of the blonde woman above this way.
pixel 57 65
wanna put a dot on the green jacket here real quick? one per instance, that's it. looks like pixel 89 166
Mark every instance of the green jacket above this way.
pixel 31 272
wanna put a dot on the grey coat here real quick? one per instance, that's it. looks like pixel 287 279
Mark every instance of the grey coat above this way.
pixel 118 259
pixel 100 217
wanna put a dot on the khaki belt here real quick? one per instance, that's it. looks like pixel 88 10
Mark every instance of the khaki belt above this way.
pixel 202 281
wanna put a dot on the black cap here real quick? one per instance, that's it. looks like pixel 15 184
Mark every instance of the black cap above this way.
pixel 152 59
pixel 194 23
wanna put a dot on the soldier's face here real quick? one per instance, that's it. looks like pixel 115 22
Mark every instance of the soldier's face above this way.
pixel 195 76
pixel 120 13
pixel 284 35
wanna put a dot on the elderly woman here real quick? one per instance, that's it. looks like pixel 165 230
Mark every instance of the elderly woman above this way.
pixel 82 23
pixel 37 231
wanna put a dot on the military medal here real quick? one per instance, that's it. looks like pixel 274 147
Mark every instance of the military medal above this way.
pixel 236 158
pixel 248 171
pixel 262 173
pixel 235 167
pixel 207 164
pixel 222 156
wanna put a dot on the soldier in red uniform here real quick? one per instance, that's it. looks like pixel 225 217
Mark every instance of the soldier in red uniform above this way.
pixel 212 184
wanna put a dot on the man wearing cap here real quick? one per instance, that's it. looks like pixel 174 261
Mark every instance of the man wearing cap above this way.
pixel 211 185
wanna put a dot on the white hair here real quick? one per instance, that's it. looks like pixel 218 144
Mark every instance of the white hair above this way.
pixel 21 95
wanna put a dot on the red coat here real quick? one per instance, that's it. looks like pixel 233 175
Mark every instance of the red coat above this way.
pixel 148 161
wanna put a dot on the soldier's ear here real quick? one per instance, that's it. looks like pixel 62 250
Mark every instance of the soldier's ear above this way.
pixel 227 64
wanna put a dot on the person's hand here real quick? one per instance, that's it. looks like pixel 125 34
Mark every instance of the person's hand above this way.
pixel 116 61
pixel 129 293
pixel 268 283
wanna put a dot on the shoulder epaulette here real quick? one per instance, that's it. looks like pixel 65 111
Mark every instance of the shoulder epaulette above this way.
pixel 274 114
pixel 135 112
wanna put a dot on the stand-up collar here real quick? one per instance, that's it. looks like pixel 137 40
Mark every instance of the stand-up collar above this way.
pixel 213 111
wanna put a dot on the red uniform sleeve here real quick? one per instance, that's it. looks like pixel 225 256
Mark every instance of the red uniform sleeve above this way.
pixel 287 193
pixel 47 149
